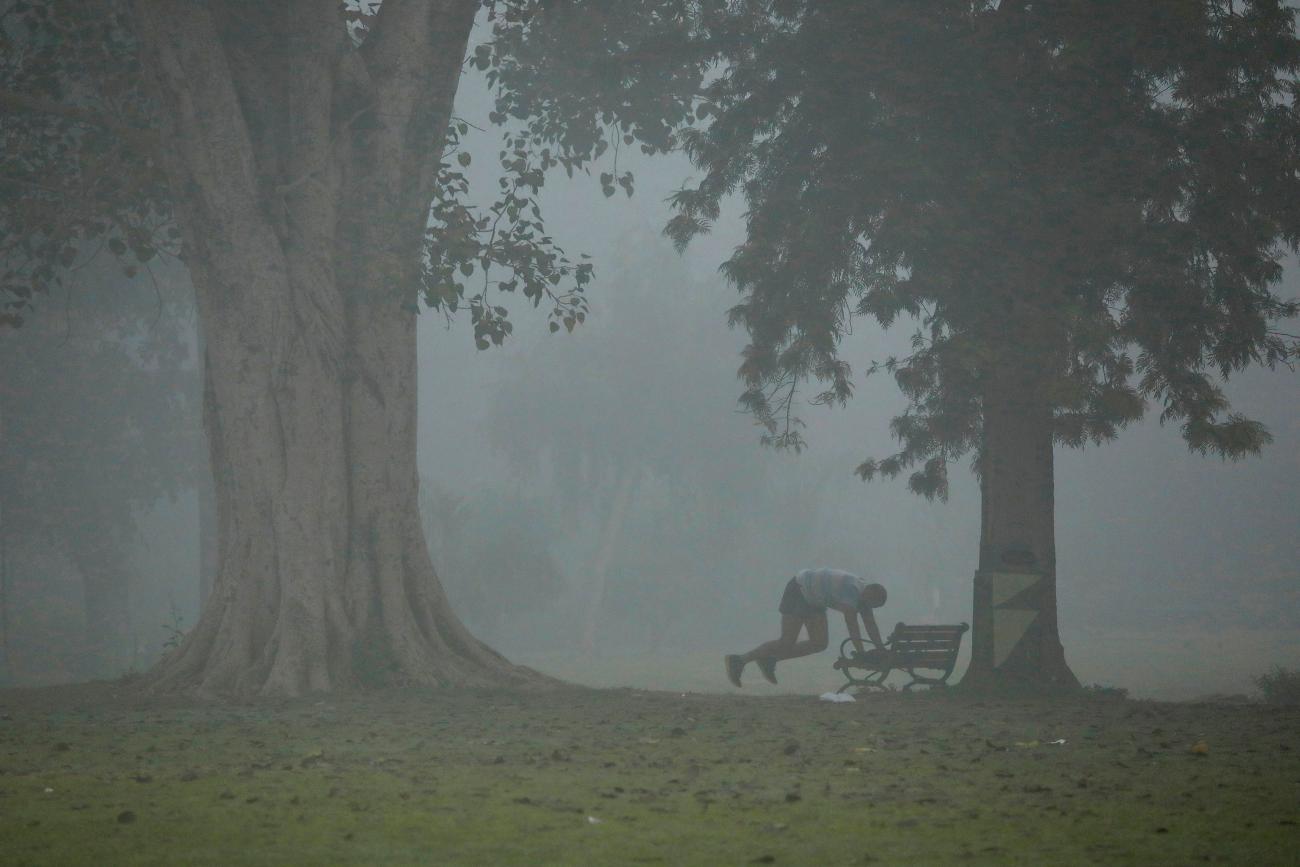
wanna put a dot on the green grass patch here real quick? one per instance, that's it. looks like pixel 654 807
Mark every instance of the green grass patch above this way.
pixel 629 777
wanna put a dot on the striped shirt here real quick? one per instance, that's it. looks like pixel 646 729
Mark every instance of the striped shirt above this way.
pixel 831 588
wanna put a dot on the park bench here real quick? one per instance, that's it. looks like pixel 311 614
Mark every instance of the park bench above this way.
pixel 908 648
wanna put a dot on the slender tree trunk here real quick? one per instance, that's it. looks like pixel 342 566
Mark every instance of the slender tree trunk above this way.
pixel 1015 640
pixel 613 531
pixel 206 495
pixel 106 606
pixel 7 672
pixel 302 169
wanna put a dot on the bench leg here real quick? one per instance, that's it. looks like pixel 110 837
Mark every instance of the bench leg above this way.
pixel 932 682
pixel 874 680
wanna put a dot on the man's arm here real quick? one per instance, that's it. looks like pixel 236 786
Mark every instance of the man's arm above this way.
pixel 851 621
pixel 869 620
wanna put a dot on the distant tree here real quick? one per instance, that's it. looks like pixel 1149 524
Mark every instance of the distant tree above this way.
pixel 99 400
pixel 1084 203
pixel 98 423
pixel 625 408
pixel 496 553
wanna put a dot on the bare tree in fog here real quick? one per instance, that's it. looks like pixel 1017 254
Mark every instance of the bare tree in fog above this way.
pixel 494 553
pixel 97 422
pixel 629 409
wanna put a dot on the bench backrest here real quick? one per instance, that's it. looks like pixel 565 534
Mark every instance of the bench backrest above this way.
pixel 927 646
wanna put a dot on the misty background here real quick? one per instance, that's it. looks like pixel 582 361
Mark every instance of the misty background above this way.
pixel 598 508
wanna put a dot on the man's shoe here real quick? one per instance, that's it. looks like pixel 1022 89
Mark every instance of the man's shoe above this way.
pixel 735 665
pixel 767 665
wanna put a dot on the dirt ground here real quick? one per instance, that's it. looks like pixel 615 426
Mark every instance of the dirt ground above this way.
pixel 582 776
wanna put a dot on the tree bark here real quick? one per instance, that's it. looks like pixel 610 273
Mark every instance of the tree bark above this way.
pixel 302 170
pixel 1015 641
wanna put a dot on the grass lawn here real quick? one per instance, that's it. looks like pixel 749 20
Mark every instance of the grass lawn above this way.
pixel 620 776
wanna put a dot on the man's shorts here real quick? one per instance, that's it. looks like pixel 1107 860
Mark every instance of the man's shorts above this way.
pixel 794 604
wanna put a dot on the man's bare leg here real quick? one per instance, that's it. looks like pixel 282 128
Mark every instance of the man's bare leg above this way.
pixel 788 645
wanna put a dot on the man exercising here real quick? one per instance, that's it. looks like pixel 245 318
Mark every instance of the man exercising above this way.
pixel 803 606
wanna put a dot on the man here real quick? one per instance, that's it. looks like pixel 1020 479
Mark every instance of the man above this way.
pixel 803 607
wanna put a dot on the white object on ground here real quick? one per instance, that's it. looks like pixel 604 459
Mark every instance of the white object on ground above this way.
pixel 836 696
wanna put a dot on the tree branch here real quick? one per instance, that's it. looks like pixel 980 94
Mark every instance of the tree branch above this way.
pixel 145 140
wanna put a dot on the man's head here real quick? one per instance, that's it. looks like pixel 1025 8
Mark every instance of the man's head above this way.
pixel 872 596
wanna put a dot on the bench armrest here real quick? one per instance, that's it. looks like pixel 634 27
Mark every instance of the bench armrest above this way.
pixel 875 657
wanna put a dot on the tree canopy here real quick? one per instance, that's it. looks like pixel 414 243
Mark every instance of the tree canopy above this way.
pixel 1101 192
pixel 77 178
pixel 82 175
pixel 1110 186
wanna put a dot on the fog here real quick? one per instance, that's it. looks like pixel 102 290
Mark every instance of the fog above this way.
pixel 415 418
pixel 598 508
pixel 1178 573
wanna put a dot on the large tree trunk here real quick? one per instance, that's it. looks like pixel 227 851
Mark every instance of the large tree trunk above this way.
pixel 1015 642
pixel 302 170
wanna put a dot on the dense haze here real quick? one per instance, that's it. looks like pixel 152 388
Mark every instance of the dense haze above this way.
pixel 1186 563
pixel 618 451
